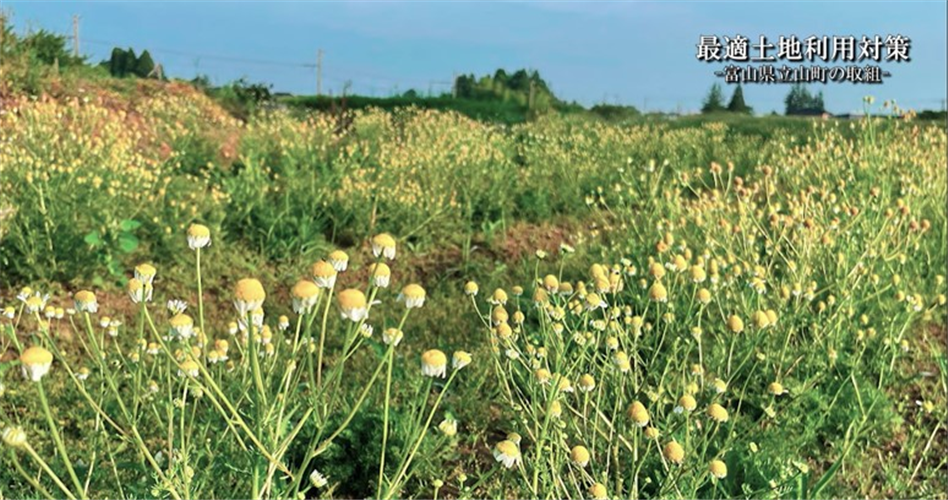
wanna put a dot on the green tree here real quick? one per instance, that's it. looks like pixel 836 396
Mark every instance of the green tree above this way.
pixel 800 101
pixel 117 63
pixel 144 65
pixel 714 102
pixel 50 48
pixel 737 104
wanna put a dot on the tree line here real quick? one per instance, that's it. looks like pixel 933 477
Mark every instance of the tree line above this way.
pixel 799 101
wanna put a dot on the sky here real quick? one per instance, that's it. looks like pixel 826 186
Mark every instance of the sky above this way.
pixel 635 53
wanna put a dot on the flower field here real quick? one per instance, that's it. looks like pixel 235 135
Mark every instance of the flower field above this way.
pixel 414 304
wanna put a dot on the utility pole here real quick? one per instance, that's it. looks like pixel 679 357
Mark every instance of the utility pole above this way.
pixel 75 36
pixel 319 72
pixel 454 85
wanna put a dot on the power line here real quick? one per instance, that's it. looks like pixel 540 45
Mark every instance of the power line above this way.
pixel 240 60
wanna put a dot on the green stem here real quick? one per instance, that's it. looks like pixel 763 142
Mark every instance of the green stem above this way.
pixel 200 292
pixel 388 391
pixel 52 475
pixel 322 338
pixel 394 485
pixel 59 441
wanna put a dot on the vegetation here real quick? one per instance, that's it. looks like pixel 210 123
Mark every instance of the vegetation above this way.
pixel 125 63
pixel 737 104
pixel 714 102
pixel 800 101
pixel 413 303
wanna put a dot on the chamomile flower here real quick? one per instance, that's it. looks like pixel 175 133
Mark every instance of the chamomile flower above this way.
pixel 14 437
pixel 448 426
pixel 199 236
pixel 384 245
pixel 674 453
pixel 507 453
pixel 698 274
pixel 598 491
pixel 137 291
pixel 86 302
pixel 499 297
pixel 499 315
pixel 176 306
pixel 587 383
pixel 514 438
pixel 145 273
pixel 735 324
pixel 35 303
pixel 392 336
pixel 470 288
pixel 657 292
pixel 35 363
pixel 686 403
pixel 594 301
pixel 83 373
pixel 381 274
pixel 579 455
pixel 317 479
pixel 717 413
pixel 189 368
pixel 434 363
pixel 563 384
pixel 222 347
pixel 324 274
pixel 621 359
pixel 249 295
pixel 718 469
pixel 353 305
pixel 551 283
pixel 556 409
pixel 182 326
pixel 638 414
pixel 305 295
pixel 776 388
pixel 413 296
pixel 460 359
pixel 283 323
pixel 339 260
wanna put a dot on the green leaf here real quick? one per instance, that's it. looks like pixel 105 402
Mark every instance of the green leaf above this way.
pixel 827 477
pixel 127 242
pixel 93 239
pixel 129 225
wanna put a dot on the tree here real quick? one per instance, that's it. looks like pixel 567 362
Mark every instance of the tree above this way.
pixel 799 101
pixel 50 48
pixel 144 65
pixel 117 62
pixel 714 102
pixel 737 104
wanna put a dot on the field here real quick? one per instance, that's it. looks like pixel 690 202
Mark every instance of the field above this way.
pixel 415 304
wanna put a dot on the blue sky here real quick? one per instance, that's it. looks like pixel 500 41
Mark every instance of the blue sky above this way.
pixel 640 53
